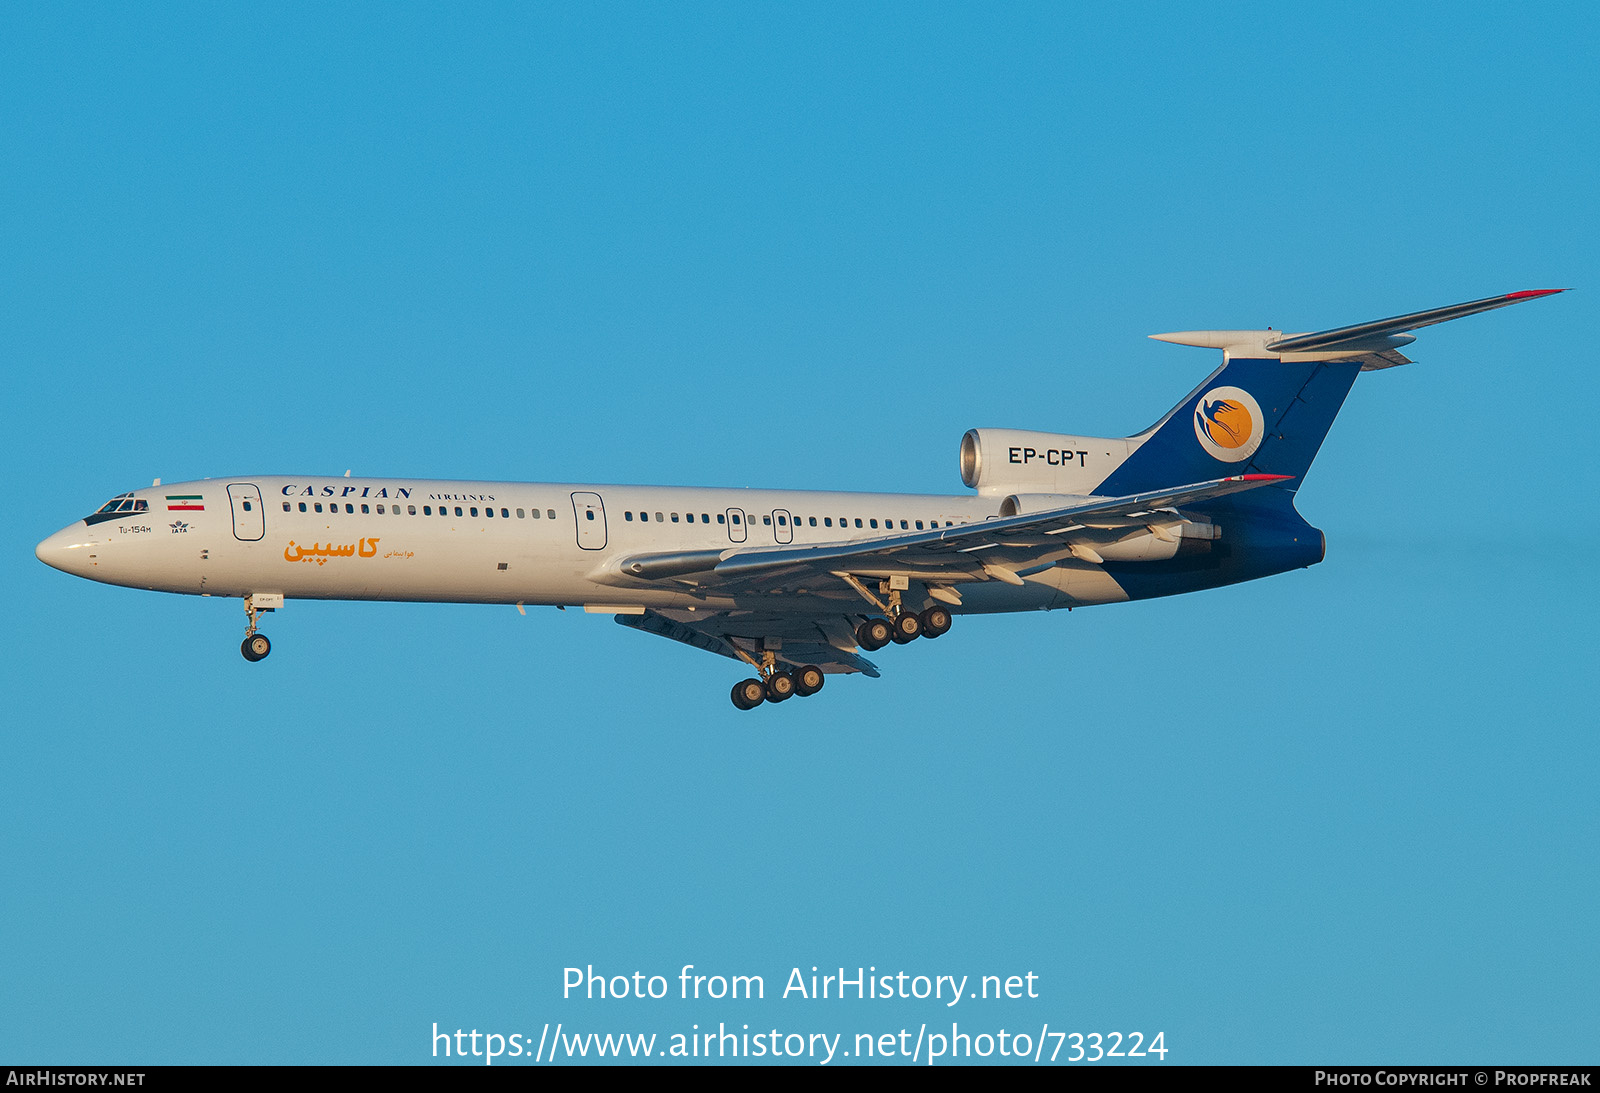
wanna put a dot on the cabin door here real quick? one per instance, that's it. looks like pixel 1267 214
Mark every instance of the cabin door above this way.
pixel 249 519
pixel 590 512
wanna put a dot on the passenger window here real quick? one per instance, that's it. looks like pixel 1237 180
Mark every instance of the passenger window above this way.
pixel 874 523
pixel 302 506
pixel 674 518
pixel 489 513
pixel 411 510
pixel 474 510
pixel 366 510
pixel 588 514
pixel 705 518
pixel 380 509
pixel 427 510
pixel 551 512
pixel 286 506
pixel 521 514
pixel 534 514
pixel 458 510
pixel 318 506
pixel 783 522
pixel 247 506
pixel 736 517
pixel 903 525
pixel 827 521
pixel 919 525
pixel 721 519
pixel 505 514
pixel 628 516
pixel 660 519
pixel 767 520
pixel 858 521
pixel 813 521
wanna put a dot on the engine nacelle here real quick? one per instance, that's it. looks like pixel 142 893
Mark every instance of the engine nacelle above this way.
pixel 1121 544
pixel 1022 504
pixel 996 462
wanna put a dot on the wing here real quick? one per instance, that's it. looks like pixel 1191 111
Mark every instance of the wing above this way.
pixel 1003 549
pixel 824 640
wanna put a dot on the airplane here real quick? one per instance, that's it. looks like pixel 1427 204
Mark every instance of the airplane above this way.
pixel 795 584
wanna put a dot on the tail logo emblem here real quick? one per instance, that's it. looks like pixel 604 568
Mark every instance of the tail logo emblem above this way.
pixel 1228 424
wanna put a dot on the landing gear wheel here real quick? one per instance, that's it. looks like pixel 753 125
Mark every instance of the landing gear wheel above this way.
pixel 808 681
pixel 935 621
pixel 749 693
pixel 907 628
pixel 874 634
pixel 255 647
pixel 781 686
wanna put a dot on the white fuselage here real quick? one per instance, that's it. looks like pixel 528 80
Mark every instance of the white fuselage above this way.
pixel 497 542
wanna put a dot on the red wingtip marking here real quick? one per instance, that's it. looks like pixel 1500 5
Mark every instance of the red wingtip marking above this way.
pixel 1264 477
pixel 1533 292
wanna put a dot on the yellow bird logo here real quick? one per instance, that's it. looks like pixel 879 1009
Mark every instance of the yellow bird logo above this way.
pixel 1226 421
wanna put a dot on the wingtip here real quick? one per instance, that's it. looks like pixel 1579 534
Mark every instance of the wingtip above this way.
pixel 1529 294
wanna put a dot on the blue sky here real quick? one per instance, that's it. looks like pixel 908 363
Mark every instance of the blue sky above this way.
pixel 1345 814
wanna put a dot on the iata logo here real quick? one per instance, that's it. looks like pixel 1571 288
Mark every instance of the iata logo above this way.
pixel 1229 424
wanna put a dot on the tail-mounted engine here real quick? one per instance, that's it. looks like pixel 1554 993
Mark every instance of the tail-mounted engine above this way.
pixel 996 462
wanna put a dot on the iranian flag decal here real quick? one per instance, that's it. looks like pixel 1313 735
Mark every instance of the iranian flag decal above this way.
pixel 185 502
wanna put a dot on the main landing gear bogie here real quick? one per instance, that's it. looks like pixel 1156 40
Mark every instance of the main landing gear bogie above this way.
pixel 778 686
pixel 903 628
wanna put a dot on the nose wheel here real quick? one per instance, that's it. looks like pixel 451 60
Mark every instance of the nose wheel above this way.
pixel 255 645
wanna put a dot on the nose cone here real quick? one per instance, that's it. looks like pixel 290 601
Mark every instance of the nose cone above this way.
pixel 68 550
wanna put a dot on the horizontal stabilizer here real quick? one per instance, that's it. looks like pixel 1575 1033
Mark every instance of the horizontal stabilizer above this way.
pixel 1375 344
pixel 1363 334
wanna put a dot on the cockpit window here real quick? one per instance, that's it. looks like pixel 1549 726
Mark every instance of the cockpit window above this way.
pixel 124 504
